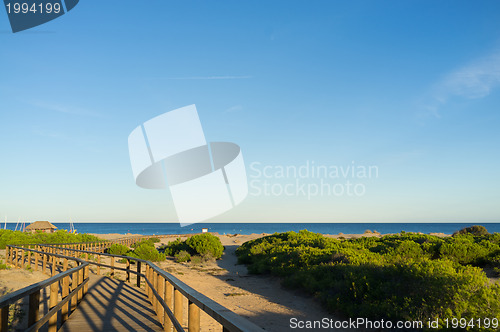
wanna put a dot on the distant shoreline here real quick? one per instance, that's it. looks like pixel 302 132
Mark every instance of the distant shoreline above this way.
pixel 229 238
pixel 269 228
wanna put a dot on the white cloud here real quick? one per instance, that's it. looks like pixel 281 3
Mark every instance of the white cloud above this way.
pixel 49 134
pixel 64 109
pixel 235 108
pixel 473 81
pixel 210 78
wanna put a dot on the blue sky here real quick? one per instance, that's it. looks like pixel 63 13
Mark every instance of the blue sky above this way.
pixel 412 87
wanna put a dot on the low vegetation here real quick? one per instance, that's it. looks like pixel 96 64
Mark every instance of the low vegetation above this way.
pixel 61 236
pixel 182 256
pixel 150 241
pixel 399 277
pixel 3 266
pixel 147 252
pixel 144 249
pixel 118 249
pixel 197 248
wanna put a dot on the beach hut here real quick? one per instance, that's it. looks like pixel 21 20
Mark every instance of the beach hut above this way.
pixel 43 226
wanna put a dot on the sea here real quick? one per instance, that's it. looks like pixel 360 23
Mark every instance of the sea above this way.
pixel 258 228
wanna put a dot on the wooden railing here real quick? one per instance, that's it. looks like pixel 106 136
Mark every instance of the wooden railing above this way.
pixel 71 284
pixel 166 293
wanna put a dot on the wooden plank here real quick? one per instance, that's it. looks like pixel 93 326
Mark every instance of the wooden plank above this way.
pixel 193 317
pixel 112 305
pixel 4 319
pixel 34 308
pixel 54 293
pixel 178 305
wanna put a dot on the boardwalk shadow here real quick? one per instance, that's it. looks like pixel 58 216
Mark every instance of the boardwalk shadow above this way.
pixel 112 305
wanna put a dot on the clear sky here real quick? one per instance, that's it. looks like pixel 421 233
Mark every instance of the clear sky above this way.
pixel 410 87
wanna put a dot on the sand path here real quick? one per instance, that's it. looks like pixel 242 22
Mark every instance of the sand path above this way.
pixel 261 299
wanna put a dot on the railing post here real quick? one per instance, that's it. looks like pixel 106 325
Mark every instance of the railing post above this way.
pixel 54 288
pixel 128 270
pixel 169 289
pixel 44 263
pixel 36 260
pixel 80 280
pixel 54 265
pixel 4 319
pixel 22 258
pixel 178 305
pixel 85 276
pixel 98 266
pixel 64 294
pixel 112 266
pixel 193 317
pixel 150 278
pixel 74 284
pixel 16 257
pixel 34 308
pixel 29 259
pixel 155 288
pixel 146 278
pixel 138 274
pixel 160 288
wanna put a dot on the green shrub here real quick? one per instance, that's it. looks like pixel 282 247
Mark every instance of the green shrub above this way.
pixel 174 247
pixel 182 256
pixel 3 266
pixel 196 260
pixel 204 244
pixel 150 241
pixel 118 249
pixel 474 230
pixel 464 249
pixel 406 276
pixel 147 252
pixel 124 260
pixel 137 244
pixel 61 236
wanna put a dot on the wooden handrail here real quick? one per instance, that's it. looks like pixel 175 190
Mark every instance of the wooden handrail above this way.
pixel 177 326
pixel 33 291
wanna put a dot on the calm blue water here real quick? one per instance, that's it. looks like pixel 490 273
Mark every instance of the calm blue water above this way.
pixel 249 228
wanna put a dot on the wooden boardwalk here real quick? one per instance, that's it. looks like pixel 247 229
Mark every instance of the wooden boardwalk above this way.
pixel 107 304
pixel 112 305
